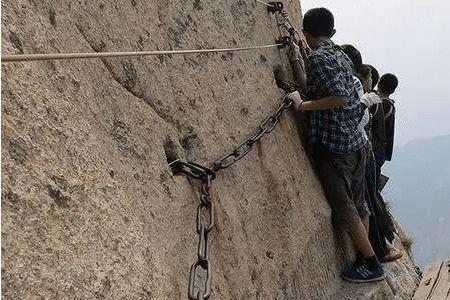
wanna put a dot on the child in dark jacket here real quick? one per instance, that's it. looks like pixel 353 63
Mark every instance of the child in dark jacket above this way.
pixel 384 122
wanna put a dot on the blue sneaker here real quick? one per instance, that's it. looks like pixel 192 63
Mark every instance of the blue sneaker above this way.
pixel 360 273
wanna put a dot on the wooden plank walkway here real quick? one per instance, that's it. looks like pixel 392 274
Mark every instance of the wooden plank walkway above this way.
pixel 435 284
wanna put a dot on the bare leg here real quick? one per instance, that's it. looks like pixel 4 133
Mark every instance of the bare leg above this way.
pixel 358 234
pixel 366 224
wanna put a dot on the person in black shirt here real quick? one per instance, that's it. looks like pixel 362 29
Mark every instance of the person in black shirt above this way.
pixel 382 227
pixel 384 122
pixel 387 85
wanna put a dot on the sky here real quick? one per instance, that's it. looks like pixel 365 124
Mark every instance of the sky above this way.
pixel 410 38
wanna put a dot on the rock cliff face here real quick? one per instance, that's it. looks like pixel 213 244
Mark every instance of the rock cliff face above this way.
pixel 90 207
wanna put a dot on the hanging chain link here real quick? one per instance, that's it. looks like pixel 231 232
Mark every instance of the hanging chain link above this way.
pixel 266 127
pixel 204 225
pixel 206 207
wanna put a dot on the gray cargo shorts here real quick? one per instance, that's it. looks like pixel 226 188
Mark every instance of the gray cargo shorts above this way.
pixel 343 180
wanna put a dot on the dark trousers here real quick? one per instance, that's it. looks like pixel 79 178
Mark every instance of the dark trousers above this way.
pixel 377 210
pixel 379 162
pixel 342 178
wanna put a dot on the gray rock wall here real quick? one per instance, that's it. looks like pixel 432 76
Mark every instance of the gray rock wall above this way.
pixel 90 207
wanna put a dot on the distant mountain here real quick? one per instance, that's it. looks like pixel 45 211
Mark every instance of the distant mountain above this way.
pixel 419 191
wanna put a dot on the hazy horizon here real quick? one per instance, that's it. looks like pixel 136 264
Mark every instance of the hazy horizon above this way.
pixel 409 39
pixel 419 195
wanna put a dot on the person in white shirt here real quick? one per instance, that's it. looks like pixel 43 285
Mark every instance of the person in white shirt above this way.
pixel 379 221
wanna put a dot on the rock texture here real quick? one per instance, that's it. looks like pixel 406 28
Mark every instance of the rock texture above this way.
pixel 90 207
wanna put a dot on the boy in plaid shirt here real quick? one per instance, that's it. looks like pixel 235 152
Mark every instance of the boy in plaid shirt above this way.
pixel 337 145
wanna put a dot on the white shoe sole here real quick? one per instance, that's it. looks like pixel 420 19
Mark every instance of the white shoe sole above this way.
pixel 364 281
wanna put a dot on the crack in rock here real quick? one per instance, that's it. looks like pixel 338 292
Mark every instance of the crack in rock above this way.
pixel 130 81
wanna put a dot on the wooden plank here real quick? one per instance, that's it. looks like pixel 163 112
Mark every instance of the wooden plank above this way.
pixel 442 288
pixel 435 284
pixel 428 282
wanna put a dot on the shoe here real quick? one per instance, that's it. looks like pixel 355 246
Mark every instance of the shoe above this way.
pixel 393 254
pixel 362 273
pixel 359 260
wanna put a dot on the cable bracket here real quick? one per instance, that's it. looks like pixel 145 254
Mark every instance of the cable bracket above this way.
pixel 274 7
pixel 283 41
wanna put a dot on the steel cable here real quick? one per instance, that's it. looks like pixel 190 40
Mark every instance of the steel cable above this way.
pixel 87 55
pixel 264 3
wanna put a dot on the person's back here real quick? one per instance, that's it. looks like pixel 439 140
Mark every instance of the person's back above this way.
pixel 389 124
pixel 331 73
pixel 378 129
pixel 386 87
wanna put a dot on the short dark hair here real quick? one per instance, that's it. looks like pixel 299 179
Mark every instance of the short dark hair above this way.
pixel 365 70
pixel 375 76
pixel 354 55
pixel 318 22
pixel 388 83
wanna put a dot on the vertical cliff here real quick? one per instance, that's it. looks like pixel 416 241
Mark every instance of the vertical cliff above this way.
pixel 90 207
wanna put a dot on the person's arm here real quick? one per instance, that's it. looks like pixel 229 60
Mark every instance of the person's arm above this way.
pixel 298 70
pixel 298 66
pixel 321 104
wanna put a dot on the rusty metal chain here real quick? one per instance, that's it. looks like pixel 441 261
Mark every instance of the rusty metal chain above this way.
pixel 205 210
pixel 266 127
pixel 205 219
pixel 206 207
pixel 204 225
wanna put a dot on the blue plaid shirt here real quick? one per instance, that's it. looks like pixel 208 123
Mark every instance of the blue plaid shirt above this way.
pixel 330 73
